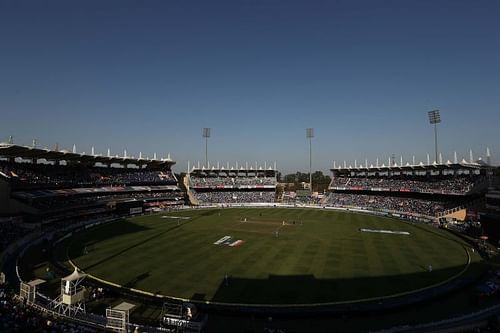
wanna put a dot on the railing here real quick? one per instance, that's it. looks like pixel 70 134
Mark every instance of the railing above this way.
pixel 85 319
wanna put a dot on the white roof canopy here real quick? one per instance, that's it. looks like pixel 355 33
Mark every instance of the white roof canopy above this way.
pixel 75 276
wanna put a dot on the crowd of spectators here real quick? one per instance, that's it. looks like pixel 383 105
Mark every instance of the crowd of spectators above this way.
pixel 452 185
pixel 9 232
pixel 62 203
pixel 256 196
pixel 235 197
pixel 231 181
pixel 135 177
pixel 72 218
pixel 15 317
pixel 379 202
pixel 27 175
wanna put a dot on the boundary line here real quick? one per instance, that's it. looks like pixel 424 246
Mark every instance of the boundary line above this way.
pixel 286 306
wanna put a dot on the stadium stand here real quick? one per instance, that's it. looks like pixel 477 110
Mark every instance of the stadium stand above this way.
pixel 430 190
pixel 457 185
pixel 235 197
pixel 406 205
pixel 232 186
pixel 31 176
pixel 42 184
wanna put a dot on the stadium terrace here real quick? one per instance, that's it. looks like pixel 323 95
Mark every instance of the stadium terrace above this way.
pixel 232 185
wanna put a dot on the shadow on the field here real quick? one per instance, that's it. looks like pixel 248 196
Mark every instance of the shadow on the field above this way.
pixel 209 212
pixel 133 283
pixel 115 229
pixel 85 244
pixel 198 297
pixel 128 228
pixel 298 289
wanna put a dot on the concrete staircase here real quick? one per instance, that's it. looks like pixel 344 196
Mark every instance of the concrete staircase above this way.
pixel 192 198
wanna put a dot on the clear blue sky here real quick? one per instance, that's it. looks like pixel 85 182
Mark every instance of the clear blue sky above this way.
pixel 149 75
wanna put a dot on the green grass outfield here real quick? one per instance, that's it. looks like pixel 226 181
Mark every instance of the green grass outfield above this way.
pixel 319 256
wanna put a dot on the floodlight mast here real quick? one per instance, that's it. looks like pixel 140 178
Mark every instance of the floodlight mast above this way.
pixel 434 119
pixel 310 135
pixel 206 135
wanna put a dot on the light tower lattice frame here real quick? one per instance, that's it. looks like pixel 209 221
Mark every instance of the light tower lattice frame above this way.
pixel 206 134
pixel 310 135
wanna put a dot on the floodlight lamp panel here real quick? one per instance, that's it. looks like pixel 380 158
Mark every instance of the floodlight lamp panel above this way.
pixel 434 117
pixel 310 133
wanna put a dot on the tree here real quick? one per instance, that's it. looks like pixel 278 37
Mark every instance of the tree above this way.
pixel 320 181
pixel 290 178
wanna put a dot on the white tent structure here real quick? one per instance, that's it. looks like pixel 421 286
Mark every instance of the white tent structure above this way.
pixel 72 298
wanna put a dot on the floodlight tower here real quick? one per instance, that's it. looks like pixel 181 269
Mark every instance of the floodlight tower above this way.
pixel 434 119
pixel 310 135
pixel 206 135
